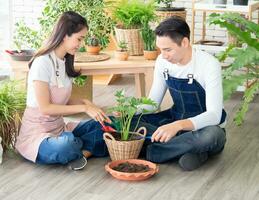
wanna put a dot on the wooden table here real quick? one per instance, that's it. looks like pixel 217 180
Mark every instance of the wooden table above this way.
pixel 137 65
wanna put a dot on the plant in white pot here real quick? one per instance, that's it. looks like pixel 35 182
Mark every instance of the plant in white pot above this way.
pixel 125 144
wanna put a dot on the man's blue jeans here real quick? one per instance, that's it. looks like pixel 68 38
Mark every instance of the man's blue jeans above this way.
pixel 210 139
pixel 69 145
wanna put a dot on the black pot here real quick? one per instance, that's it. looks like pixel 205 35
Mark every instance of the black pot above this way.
pixel 23 55
pixel 170 9
pixel 240 2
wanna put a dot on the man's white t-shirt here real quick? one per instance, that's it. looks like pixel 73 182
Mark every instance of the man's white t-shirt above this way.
pixel 207 71
pixel 42 69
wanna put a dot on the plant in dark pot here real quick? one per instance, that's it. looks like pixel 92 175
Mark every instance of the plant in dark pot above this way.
pixel 124 144
pixel 149 38
pixel 244 56
pixel 166 9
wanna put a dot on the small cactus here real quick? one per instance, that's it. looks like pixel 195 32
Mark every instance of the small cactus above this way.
pixel 92 41
pixel 122 46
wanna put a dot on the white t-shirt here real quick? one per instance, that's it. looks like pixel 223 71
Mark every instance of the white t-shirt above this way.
pixel 207 71
pixel 42 69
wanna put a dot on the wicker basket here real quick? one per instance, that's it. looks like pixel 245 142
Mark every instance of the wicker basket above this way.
pixel 165 14
pixel 133 39
pixel 120 150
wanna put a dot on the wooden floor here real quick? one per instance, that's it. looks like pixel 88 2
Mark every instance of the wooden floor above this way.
pixel 233 175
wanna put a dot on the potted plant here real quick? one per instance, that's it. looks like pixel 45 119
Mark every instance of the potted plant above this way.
pixel 167 10
pixel 12 105
pixel 125 144
pixel 130 16
pixel 122 51
pixel 93 47
pixel 149 38
pixel 246 56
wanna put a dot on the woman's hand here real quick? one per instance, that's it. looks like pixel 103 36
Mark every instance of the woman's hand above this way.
pixel 96 113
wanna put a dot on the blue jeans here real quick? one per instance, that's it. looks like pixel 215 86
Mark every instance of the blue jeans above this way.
pixel 68 146
pixel 210 139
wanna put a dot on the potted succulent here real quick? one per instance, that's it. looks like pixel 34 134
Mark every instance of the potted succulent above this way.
pixel 124 144
pixel 122 51
pixel 246 56
pixel 12 105
pixel 167 10
pixel 149 38
pixel 130 16
pixel 93 46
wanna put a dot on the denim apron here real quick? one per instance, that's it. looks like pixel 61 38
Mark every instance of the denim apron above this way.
pixel 189 99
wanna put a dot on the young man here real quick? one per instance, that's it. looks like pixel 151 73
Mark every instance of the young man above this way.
pixel 193 128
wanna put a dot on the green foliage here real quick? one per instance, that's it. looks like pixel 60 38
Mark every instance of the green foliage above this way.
pixel 127 107
pixel 149 38
pixel 80 80
pixel 167 3
pixel 134 13
pixel 93 41
pixel 25 37
pixel 123 46
pixel 100 25
pixel 12 104
pixel 247 32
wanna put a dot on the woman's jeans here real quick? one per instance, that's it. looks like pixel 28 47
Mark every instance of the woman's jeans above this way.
pixel 69 145
pixel 210 139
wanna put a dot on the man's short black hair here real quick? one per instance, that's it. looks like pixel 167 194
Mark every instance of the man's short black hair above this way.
pixel 174 27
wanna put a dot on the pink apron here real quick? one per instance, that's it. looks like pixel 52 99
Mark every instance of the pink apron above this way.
pixel 36 126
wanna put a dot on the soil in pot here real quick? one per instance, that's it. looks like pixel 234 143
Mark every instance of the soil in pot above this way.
pixel 170 9
pixel 131 167
pixel 132 137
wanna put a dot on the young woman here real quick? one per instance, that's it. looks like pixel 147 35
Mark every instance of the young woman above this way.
pixel 44 138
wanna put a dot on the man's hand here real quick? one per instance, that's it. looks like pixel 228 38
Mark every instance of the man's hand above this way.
pixel 166 132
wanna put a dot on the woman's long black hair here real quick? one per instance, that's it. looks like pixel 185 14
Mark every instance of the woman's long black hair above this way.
pixel 70 22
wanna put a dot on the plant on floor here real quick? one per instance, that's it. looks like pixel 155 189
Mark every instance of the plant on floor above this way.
pixel 246 56
pixel 127 107
pixel 12 104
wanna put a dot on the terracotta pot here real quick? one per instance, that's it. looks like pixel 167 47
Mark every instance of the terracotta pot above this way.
pixel 121 55
pixel 120 150
pixel 150 55
pixel 93 50
pixel 132 176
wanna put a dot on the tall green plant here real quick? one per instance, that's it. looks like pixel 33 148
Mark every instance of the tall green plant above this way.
pixel 247 32
pixel 149 38
pixel 134 13
pixel 12 104
pixel 127 107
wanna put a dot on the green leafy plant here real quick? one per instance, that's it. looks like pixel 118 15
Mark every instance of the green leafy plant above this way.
pixel 167 3
pixel 12 104
pixel 149 38
pixel 80 80
pixel 93 41
pixel 127 107
pixel 100 24
pixel 133 14
pixel 247 32
pixel 122 46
